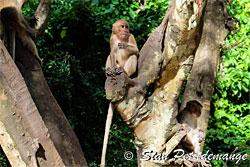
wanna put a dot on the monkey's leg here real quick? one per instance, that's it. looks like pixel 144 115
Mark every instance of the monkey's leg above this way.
pixel 106 135
pixel 11 42
pixel 108 69
pixel 108 63
pixel 130 66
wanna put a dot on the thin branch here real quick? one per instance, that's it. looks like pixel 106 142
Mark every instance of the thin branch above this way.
pixel 230 22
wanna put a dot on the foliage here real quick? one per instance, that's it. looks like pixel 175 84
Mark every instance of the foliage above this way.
pixel 142 20
pixel 3 160
pixel 229 125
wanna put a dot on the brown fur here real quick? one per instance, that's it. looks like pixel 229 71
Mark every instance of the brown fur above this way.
pixel 189 117
pixel 123 48
pixel 15 25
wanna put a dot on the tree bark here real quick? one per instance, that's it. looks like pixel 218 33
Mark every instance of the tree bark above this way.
pixel 23 135
pixel 200 85
pixel 188 38
pixel 64 148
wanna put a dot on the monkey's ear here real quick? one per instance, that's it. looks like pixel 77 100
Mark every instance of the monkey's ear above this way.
pixel 111 42
pixel 114 28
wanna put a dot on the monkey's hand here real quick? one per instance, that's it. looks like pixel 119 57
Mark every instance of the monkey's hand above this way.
pixel 33 20
pixel 122 45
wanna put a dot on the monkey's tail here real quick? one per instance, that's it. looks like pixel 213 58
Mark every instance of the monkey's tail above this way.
pixel 106 135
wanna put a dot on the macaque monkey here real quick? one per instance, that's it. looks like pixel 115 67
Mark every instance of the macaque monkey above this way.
pixel 123 48
pixel 15 26
pixel 189 117
pixel 123 54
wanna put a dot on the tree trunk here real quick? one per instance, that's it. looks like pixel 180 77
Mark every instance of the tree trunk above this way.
pixel 33 133
pixel 24 136
pixel 188 38
pixel 200 85
pixel 61 132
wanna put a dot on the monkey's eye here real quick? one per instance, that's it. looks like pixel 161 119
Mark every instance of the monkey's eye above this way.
pixel 122 26
pixel 126 26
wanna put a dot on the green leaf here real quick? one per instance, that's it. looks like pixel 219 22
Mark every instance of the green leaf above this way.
pixel 246 89
pixel 115 2
pixel 246 80
pixel 63 33
pixel 224 94
pixel 131 13
pixel 219 114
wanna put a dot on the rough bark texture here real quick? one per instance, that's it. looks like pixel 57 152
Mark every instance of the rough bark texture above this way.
pixel 23 135
pixel 42 15
pixel 61 132
pixel 150 107
pixel 200 85
pixel 65 149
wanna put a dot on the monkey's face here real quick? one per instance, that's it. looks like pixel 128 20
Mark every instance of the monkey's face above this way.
pixel 123 31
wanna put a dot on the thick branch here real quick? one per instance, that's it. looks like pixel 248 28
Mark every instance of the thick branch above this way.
pixel 23 133
pixel 164 63
pixel 201 82
pixel 61 132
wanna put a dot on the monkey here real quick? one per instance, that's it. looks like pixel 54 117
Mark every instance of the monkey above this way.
pixel 123 54
pixel 191 112
pixel 123 48
pixel 189 117
pixel 15 25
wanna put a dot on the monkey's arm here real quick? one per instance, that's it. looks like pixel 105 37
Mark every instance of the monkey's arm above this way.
pixel 113 50
pixel 26 27
pixel 131 47
pixel 31 20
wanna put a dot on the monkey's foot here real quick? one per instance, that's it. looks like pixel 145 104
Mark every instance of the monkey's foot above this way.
pixel 112 72
pixel 109 72
pixel 119 70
